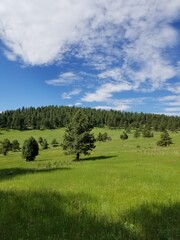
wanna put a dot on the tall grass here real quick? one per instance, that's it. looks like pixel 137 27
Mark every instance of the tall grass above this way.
pixel 120 191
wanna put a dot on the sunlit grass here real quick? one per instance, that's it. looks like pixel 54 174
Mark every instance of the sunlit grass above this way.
pixel 123 190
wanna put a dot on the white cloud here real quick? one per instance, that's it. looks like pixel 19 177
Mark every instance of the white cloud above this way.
pixel 78 104
pixel 38 31
pixel 174 88
pixel 171 104
pixel 171 100
pixel 114 73
pixel 117 108
pixel 63 79
pixel 105 92
pixel 172 109
pixel 69 95
pixel 120 104
pixel 128 42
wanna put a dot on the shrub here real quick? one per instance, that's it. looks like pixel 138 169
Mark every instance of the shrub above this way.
pixel 124 136
pixel 54 143
pixel 15 145
pixel 44 144
pixel 5 146
pixel 30 149
pixel 103 137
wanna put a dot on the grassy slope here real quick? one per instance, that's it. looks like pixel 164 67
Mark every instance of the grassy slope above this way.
pixel 119 192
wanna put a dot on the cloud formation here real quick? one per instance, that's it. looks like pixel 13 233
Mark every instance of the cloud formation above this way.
pixel 171 104
pixel 64 79
pixel 129 44
pixel 69 95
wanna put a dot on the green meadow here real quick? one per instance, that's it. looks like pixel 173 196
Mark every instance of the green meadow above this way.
pixel 124 190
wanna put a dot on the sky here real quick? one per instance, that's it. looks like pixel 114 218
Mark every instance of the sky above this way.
pixel 104 54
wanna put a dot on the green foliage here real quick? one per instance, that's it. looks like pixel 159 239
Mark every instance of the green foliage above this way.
pixel 147 133
pixel 124 136
pixel 51 117
pixel 44 144
pixel 30 149
pixel 165 140
pixel 137 133
pixel 15 145
pixel 5 146
pixel 54 143
pixel 78 137
pixel 103 137
pixel 40 140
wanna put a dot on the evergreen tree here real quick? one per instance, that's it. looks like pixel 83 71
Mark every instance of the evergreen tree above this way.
pixel 30 149
pixel 165 139
pixel 78 138
pixel 103 137
pixel 147 133
pixel 137 133
pixel 15 145
pixel 44 144
pixel 5 146
pixel 59 116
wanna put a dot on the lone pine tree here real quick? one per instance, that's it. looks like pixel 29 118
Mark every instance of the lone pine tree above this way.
pixel 78 138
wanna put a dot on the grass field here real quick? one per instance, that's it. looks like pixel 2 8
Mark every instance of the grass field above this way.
pixel 124 190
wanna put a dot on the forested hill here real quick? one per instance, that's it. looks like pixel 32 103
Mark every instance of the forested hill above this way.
pixel 59 116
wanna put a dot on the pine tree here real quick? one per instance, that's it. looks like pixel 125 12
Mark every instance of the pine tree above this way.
pixel 30 149
pixel 165 139
pixel 78 138
pixel 15 145
pixel 5 146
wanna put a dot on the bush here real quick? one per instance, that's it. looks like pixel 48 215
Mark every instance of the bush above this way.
pixel 30 149
pixel 103 137
pixel 124 136
pixel 137 133
pixel 54 143
pixel 147 133
pixel 15 146
pixel 44 144
pixel 5 146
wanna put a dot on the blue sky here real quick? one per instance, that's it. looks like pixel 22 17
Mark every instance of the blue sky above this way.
pixel 122 55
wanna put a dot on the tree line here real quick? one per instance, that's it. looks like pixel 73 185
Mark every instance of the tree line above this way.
pixel 52 117
pixel 77 140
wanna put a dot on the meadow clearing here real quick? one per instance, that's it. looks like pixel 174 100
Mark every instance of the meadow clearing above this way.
pixel 124 190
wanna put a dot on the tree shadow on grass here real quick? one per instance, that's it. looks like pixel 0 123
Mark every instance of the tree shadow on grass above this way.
pixel 97 158
pixel 51 215
pixel 9 173
pixel 155 221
